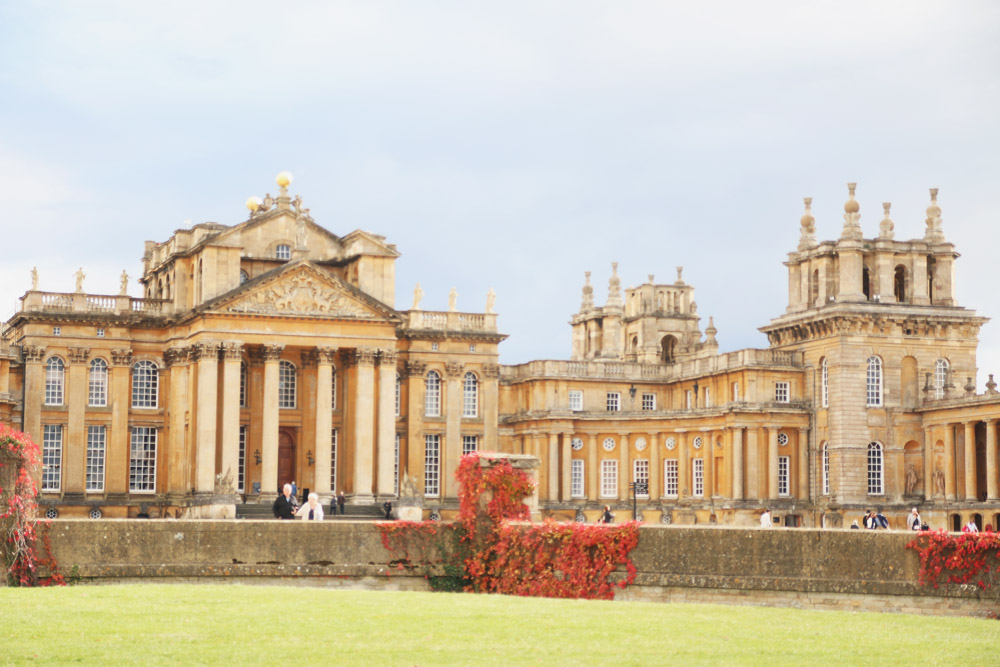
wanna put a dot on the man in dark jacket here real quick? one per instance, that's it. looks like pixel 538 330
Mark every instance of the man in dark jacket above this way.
pixel 284 506
pixel 341 500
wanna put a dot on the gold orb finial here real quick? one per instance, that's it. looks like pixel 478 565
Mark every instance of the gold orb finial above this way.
pixel 254 203
pixel 284 179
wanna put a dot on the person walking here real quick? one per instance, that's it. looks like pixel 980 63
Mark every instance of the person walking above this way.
pixel 312 510
pixel 283 506
pixel 913 521
pixel 387 509
pixel 765 519
pixel 607 516
pixel 341 500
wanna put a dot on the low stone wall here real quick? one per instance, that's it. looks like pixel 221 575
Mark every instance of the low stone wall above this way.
pixel 807 568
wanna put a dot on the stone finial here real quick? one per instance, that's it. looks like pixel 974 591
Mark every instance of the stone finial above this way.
pixel 886 227
pixel 614 287
pixel 852 216
pixel 970 386
pixel 491 300
pixel 34 278
pixel 588 294
pixel 934 234
pixel 808 222
pixel 652 277
pixel 991 386
pixel 710 332
pixel 680 270
pixel 453 300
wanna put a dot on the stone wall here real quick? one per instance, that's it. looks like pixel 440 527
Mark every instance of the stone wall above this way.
pixel 805 568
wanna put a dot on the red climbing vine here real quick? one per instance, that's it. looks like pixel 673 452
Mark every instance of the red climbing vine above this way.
pixel 958 559
pixel 494 555
pixel 18 514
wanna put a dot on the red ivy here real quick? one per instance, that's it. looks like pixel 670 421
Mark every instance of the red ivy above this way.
pixel 958 559
pixel 18 511
pixel 566 560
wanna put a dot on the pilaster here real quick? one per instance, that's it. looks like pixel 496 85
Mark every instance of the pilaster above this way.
pixel 386 450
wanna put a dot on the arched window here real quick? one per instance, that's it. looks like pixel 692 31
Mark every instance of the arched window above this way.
pixel 940 377
pixel 874 382
pixel 244 276
pixel 432 394
pixel 470 396
pixel 97 394
pixel 826 468
pixel 286 384
pixel 825 382
pixel 876 484
pixel 866 283
pixel 243 384
pixel 145 384
pixel 55 381
pixel 899 283
pixel 667 349
pixel 931 265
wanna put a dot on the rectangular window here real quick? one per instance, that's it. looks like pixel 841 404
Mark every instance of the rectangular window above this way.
pixel 780 392
pixel 826 469
pixel 142 460
pixel 687 399
pixel 399 395
pixel 576 478
pixel 470 444
pixel 432 465
pixel 698 477
pixel 283 252
pixel 609 478
pixel 576 401
pixel 57 331
pixel 51 457
pixel 333 460
pixel 614 401
pixel 243 385
pixel 736 392
pixel 241 462
pixel 96 445
pixel 395 468
pixel 649 401
pixel 100 333
pixel 333 389
pixel 97 392
pixel 670 478
pixel 782 476
pixel 640 475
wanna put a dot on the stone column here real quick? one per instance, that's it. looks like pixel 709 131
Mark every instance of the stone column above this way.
pixel 970 461
pixel 772 462
pixel 386 422
pixel 553 467
pixel 737 434
pixel 74 463
pixel 206 356
pixel 116 464
pixel 489 384
pixel 452 445
pixel 232 356
pixel 928 463
pixel 566 458
pixel 655 465
pixel 624 469
pixel 269 423
pixel 593 473
pixel 708 478
pixel 414 371
pixel 176 362
pixel 803 464
pixel 364 425
pixel 949 462
pixel 324 357
pixel 683 476
pixel 34 390
pixel 991 460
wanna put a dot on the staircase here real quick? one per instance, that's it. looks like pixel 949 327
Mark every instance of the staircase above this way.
pixel 352 512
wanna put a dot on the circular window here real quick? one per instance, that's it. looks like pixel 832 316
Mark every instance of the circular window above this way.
pixel 609 444
pixel 640 444
pixel 576 444
pixel 52 513
pixel 697 442
pixel 671 443
pixel 96 513
pixel 782 439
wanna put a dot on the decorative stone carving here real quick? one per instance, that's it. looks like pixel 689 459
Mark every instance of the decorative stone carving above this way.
pixel 32 353
pixel 224 483
pixel 934 234
pixel 302 294
pixel 387 357
pixel 939 481
pixel 609 444
pixel 666 518
pixel 808 222
pixel 272 352
pixel 327 354
pixel 453 369
pixel 310 358
pixel 852 217
pixel 580 517
pixel 123 284
pixel 991 386
pixel 364 355
pixel 79 275
pixel 886 227
pixel 912 479
pixel 970 387
pixel 670 443
pixel 418 294
pixel 491 300
pixel 491 370
pixel 415 368
pixel 640 445
pixel 78 355
pixel 588 294
pixel 200 351
pixel 614 287
pixel 173 356
pixel 232 351
pixel 122 357
pixel 453 300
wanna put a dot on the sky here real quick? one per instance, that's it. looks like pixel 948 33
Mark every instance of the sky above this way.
pixel 507 145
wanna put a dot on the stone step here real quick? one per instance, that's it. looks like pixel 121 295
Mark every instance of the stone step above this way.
pixel 351 512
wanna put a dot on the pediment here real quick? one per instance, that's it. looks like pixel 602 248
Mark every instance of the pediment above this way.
pixel 303 290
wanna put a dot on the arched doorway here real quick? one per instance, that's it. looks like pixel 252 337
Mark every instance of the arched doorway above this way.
pixel 286 458
pixel 667 349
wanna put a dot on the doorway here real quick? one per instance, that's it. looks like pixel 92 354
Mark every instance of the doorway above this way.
pixel 286 458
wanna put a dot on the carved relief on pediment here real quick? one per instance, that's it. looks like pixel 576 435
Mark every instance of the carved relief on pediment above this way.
pixel 302 294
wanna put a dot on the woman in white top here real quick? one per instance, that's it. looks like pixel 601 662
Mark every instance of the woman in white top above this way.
pixel 312 510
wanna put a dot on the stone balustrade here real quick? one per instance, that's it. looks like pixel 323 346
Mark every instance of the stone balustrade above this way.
pixel 62 302
pixel 451 321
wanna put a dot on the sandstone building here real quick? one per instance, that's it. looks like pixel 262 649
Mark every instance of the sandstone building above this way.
pixel 272 350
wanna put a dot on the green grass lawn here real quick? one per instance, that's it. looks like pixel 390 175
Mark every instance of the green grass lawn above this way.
pixel 290 626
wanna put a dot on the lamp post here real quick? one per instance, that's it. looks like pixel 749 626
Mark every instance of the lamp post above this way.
pixel 637 488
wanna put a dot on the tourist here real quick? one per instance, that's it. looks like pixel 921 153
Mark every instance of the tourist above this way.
pixel 881 523
pixel 284 507
pixel 387 508
pixel 869 520
pixel 340 501
pixel 765 519
pixel 854 525
pixel 312 510
pixel 608 516
pixel 970 527
pixel 295 493
pixel 913 521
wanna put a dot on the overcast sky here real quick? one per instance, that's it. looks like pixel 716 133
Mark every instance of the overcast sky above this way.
pixel 511 145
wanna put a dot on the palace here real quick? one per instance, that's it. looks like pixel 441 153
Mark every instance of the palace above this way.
pixel 272 351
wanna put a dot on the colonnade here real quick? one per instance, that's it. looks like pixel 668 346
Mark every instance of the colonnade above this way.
pixel 961 483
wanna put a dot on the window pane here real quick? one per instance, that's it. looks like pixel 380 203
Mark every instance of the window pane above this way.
pixel 670 478
pixel 576 478
pixel 609 479
pixel 432 395
pixel 142 460
pixel 96 444
pixel 97 394
pixel 51 457
pixel 470 396
pixel 432 465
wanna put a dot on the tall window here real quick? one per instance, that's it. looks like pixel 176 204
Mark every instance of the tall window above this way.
pixel 826 468
pixel 399 395
pixel 614 401
pixel 97 393
pixel 142 460
pixel 780 392
pixel 241 462
pixel 243 384
pixel 698 477
pixel 283 252
pixel 55 380
pixel 640 474
pixel 688 402
pixel 286 384
pixel 576 400
pixel 333 460
pixel 432 465
pixel 576 478
pixel 145 384
pixel 940 377
pixel 874 382
pixel 609 478
pixel 736 392
pixel 825 383
pixel 708 397
pixel 649 401
pixel 670 478
pixel 395 468
pixel 432 394
pixel 470 444
pixel 333 388
pixel 783 476
pixel 51 457
pixel 96 444
pixel 470 396
pixel 876 486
